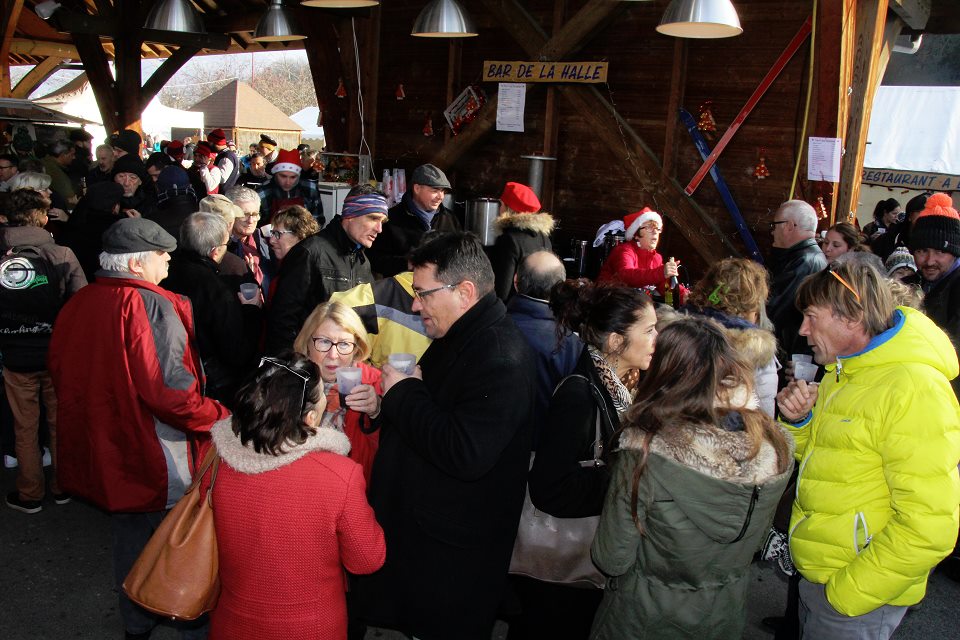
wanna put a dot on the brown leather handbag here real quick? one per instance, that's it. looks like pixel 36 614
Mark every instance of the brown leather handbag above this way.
pixel 177 574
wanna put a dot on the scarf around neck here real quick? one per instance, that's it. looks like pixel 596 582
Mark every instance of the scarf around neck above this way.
pixel 611 381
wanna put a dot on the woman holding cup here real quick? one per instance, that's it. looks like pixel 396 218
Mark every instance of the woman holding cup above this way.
pixel 334 339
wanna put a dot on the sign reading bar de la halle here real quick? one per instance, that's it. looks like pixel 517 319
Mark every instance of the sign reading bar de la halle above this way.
pixel 520 71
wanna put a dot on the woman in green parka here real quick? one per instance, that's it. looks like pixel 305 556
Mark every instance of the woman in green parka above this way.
pixel 693 493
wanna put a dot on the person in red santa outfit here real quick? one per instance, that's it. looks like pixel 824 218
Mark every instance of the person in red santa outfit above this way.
pixel 286 189
pixel 636 262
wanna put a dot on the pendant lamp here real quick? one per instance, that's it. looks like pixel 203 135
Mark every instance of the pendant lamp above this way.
pixel 443 19
pixel 276 25
pixel 174 15
pixel 340 4
pixel 700 19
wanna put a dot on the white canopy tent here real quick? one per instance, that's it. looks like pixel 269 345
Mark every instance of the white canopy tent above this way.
pixel 307 119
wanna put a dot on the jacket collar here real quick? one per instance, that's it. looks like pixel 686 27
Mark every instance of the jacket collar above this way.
pixel 532 222
pixel 15 236
pixel 244 459
pixel 525 305
pixel 484 313
pixel 344 242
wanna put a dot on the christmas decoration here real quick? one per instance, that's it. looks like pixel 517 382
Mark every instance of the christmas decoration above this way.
pixel 400 92
pixel 341 91
pixel 706 123
pixel 821 208
pixel 428 128
pixel 761 171
pixel 464 109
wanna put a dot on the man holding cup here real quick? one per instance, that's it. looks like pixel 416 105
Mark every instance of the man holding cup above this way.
pixel 878 443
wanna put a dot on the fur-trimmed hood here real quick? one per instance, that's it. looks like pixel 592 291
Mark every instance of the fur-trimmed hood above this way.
pixel 536 222
pixel 245 460
pixel 757 346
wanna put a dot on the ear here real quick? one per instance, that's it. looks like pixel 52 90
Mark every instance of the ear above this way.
pixel 312 417
pixel 516 279
pixel 468 294
pixel 614 343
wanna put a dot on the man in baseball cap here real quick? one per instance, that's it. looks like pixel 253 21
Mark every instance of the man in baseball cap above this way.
pixel 420 210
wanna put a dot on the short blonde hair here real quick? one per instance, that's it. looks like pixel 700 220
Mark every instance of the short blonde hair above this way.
pixel 345 317
pixel 222 206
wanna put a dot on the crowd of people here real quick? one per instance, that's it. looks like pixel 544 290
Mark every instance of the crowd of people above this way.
pixel 387 394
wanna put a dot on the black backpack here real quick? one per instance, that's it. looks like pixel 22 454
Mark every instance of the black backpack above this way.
pixel 30 299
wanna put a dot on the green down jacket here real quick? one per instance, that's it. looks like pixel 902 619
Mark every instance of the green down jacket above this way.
pixel 705 508
pixel 878 489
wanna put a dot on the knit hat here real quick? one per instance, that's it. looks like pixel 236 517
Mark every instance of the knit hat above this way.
pixel 632 222
pixel 22 140
pixel 103 196
pixel 363 204
pixel 175 150
pixel 217 137
pixel 901 257
pixel 173 181
pixel 203 148
pixel 127 140
pixel 937 226
pixel 130 164
pixel 520 198
pixel 133 235
pixel 79 135
pixel 287 160
pixel 267 141
pixel 430 176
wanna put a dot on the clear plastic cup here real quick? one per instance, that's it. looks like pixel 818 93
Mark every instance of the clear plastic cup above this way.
pixel 805 371
pixel 347 379
pixel 249 290
pixel 403 362
pixel 801 357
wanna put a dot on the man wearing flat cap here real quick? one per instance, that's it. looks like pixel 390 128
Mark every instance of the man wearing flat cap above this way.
pixel 420 210
pixel 268 149
pixel 131 404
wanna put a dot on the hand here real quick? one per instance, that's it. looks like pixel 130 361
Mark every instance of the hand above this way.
pixel 132 213
pixel 256 301
pixel 391 377
pixel 58 214
pixel 251 263
pixel 364 398
pixel 788 372
pixel 797 399
pixel 670 268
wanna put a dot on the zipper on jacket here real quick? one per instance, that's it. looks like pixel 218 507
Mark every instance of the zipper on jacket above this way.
pixel 746 523
pixel 839 368
pixel 867 538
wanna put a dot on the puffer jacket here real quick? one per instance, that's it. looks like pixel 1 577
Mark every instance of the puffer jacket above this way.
pixel 520 235
pixel 878 489
pixel 705 507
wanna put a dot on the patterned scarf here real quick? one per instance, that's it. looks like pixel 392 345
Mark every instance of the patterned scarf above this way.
pixel 618 392
pixel 333 414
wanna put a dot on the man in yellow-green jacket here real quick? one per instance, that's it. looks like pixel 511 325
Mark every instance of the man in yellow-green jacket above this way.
pixel 878 443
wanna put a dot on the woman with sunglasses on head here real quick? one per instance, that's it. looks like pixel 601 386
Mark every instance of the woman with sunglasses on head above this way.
pixel 692 494
pixel 332 337
pixel 290 511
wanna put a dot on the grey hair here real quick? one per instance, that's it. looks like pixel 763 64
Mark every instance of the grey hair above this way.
pixel 30 180
pixel 59 147
pixel 861 257
pixel 535 279
pixel 801 213
pixel 121 261
pixel 243 194
pixel 202 232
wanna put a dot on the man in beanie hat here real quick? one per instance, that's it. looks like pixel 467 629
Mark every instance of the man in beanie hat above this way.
pixel 204 175
pixel 268 148
pixel 332 260
pixel 226 159
pixel 174 151
pixel 935 242
pixel 636 262
pixel 126 142
pixel 524 230
pixel 419 210
pixel 286 189
pixel 138 194
pixel 128 427
pixel 175 199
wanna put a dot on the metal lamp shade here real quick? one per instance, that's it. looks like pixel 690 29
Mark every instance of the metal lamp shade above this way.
pixel 443 19
pixel 700 19
pixel 340 4
pixel 276 25
pixel 174 15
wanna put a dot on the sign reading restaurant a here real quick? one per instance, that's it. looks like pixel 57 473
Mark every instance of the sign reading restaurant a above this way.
pixel 917 180
pixel 520 71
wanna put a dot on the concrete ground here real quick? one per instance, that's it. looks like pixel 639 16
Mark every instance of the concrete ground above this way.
pixel 57 584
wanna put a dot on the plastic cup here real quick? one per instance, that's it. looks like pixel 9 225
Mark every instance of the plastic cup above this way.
pixel 249 290
pixel 347 379
pixel 805 371
pixel 801 357
pixel 402 362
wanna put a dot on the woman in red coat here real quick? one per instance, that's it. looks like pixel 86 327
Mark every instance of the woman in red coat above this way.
pixel 290 510
pixel 636 263
pixel 332 337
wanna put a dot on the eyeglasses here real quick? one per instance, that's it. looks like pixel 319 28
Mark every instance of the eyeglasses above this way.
pixel 420 295
pixel 846 284
pixel 251 215
pixel 773 225
pixel 304 377
pixel 324 345
pixel 5 166
pixel 279 233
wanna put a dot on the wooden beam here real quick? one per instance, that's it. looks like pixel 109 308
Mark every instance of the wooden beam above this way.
pixel 551 120
pixel 164 72
pixel 35 77
pixel 916 13
pixel 325 68
pixel 454 60
pixel 678 83
pixel 211 41
pixel 126 61
pixel 370 71
pixel 95 61
pixel 11 15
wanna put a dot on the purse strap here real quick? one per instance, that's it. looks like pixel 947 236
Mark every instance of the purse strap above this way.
pixel 212 459
pixel 598 434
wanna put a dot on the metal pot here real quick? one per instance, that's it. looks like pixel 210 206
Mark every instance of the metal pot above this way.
pixel 481 214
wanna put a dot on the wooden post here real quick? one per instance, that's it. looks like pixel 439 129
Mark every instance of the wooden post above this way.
pixel 35 77
pixel 551 122
pixel 95 63
pixel 678 82
pixel 326 69
pixel 126 60
pixel 454 56
pixel 8 21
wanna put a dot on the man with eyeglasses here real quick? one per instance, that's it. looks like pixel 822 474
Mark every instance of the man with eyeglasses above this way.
pixel 794 256
pixel 246 241
pixel 130 397
pixel 877 442
pixel 8 169
pixel 449 478
pixel 329 261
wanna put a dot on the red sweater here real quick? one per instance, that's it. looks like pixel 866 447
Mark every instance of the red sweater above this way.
pixel 635 267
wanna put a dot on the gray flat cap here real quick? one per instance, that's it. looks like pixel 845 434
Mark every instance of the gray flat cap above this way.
pixel 132 235
pixel 431 176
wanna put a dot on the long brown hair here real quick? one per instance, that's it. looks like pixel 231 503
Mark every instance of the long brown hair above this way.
pixel 692 379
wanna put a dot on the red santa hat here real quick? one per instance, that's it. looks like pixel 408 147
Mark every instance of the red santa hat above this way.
pixel 217 137
pixel 520 198
pixel 633 221
pixel 287 160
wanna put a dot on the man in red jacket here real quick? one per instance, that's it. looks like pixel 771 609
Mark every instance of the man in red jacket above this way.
pixel 130 388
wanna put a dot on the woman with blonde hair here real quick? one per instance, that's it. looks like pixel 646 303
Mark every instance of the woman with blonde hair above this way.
pixel 692 494
pixel 333 337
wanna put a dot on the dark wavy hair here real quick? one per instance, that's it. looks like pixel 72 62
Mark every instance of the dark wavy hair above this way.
pixel 594 311
pixel 268 411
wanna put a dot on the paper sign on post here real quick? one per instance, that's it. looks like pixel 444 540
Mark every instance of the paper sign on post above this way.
pixel 823 159
pixel 511 100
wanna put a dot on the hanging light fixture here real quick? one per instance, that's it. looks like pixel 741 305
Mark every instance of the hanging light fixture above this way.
pixel 700 19
pixel 340 4
pixel 276 25
pixel 174 15
pixel 443 19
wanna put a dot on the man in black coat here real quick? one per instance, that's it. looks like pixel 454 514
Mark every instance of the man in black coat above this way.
pixel 420 210
pixel 449 479
pixel 795 256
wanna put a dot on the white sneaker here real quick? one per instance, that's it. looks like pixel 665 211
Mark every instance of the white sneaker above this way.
pixel 47 459
pixel 9 462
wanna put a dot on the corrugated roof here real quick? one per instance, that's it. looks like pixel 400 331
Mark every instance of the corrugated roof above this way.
pixel 223 110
